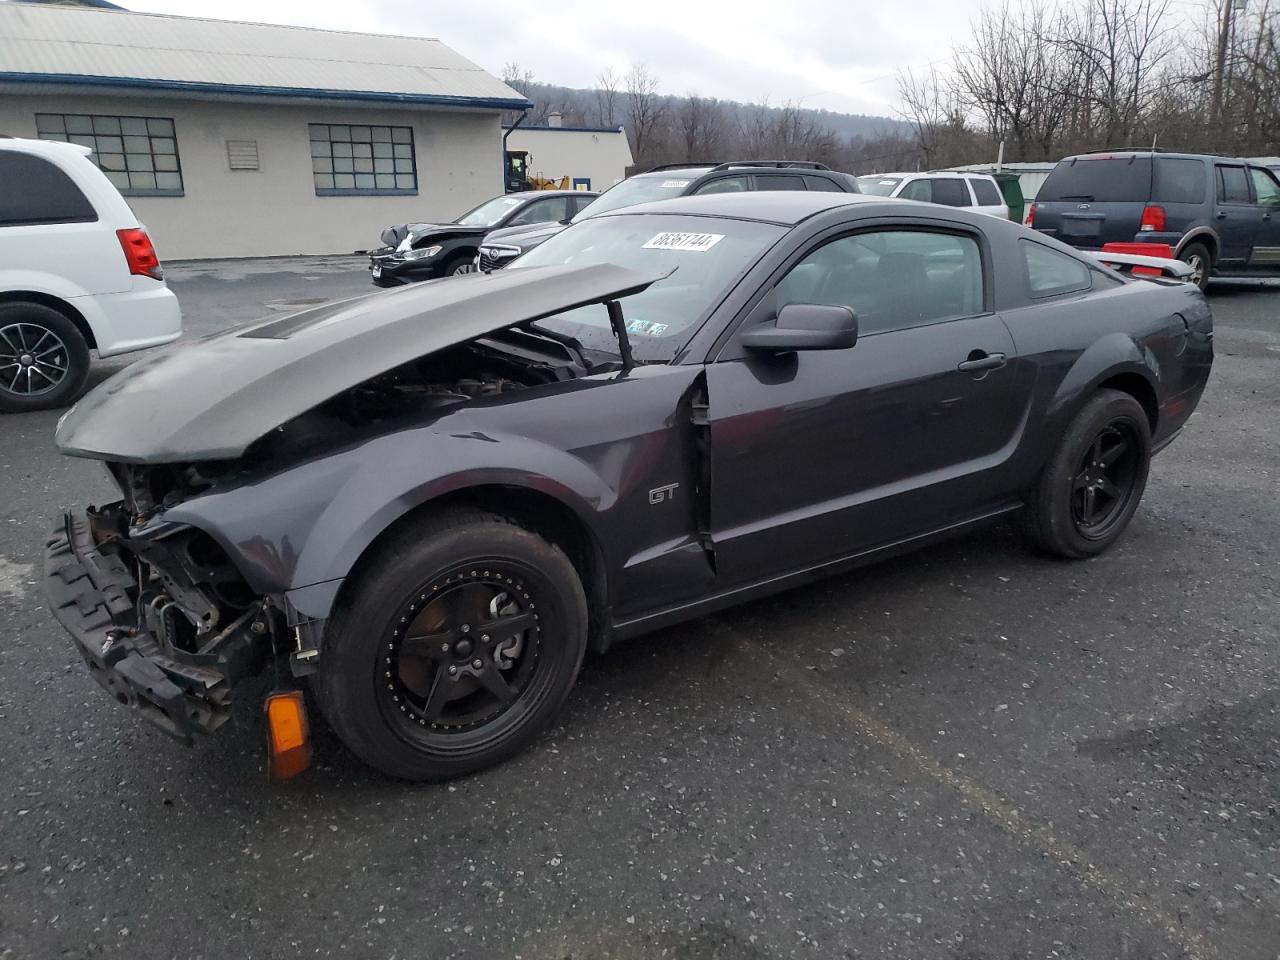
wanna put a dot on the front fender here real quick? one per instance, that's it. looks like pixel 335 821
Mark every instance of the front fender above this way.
pixel 308 525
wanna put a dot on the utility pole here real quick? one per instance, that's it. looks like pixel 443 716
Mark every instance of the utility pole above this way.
pixel 1226 25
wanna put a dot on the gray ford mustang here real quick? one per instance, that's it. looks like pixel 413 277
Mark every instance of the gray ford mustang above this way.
pixel 433 501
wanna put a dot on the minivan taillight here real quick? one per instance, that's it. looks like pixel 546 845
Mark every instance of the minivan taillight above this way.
pixel 1030 220
pixel 139 253
pixel 1152 219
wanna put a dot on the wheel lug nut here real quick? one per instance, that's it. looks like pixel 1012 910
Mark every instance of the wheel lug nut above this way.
pixel 466 628
pixel 444 647
pixel 477 664
pixel 452 671
pixel 484 638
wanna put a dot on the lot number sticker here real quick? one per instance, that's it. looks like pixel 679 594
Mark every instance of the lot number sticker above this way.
pixel 693 242
pixel 674 184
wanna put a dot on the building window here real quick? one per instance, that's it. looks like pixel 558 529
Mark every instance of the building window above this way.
pixel 138 154
pixel 356 159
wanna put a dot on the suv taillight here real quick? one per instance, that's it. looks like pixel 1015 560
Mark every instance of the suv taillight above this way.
pixel 139 253
pixel 1030 220
pixel 1152 219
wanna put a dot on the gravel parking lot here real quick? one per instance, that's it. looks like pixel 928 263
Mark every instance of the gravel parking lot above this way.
pixel 971 753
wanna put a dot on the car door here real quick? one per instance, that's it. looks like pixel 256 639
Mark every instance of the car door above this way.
pixel 1236 217
pixel 817 455
pixel 1266 243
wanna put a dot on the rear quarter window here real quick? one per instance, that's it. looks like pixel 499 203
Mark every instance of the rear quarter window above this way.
pixel 1051 273
pixel 986 193
pixel 951 192
pixel 33 190
pixel 1179 181
pixel 1098 180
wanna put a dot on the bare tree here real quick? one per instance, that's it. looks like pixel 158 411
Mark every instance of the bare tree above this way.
pixel 700 123
pixel 607 98
pixel 646 111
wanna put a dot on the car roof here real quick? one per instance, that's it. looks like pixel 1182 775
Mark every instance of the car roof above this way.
pixel 920 174
pixel 43 147
pixel 1126 154
pixel 532 194
pixel 787 207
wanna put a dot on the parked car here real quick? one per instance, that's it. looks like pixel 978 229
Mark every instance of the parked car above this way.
pixel 423 251
pixel 973 191
pixel 673 180
pixel 1220 216
pixel 78 273
pixel 435 502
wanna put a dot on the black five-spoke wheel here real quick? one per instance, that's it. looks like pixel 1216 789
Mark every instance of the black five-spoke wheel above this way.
pixel 1093 483
pixel 464 650
pixel 454 645
pixel 1105 480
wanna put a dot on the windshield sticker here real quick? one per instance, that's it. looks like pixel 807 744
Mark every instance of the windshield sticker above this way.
pixel 693 242
pixel 675 184
pixel 646 328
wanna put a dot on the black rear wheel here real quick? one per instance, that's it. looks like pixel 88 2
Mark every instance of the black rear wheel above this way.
pixel 1198 258
pixel 44 359
pixel 453 648
pixel 1094 481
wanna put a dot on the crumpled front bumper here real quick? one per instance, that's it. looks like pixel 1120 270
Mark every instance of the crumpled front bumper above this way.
pixel 89 594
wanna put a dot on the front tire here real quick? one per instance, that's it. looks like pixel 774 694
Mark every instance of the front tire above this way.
pixel 1094 481
pixel 44 358
pixel 453 648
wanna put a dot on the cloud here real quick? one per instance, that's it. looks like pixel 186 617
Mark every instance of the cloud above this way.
pixel 822 53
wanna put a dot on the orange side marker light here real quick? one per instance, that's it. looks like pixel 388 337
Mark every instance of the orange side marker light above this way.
pixel 288 735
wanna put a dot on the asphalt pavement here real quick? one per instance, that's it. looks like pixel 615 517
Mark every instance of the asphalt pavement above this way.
pixel 973 752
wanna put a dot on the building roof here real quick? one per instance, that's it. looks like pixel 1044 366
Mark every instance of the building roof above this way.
pixel 546 129
pixel 51 44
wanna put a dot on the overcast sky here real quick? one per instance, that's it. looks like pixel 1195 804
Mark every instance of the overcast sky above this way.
pixel 837 54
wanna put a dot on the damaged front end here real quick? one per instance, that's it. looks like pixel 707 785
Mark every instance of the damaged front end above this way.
pixel 162 619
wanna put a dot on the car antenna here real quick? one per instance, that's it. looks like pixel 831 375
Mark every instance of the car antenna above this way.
pixel 620 330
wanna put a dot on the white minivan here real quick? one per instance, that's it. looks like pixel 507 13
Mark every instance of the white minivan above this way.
pixel 973 191
pixel 77 273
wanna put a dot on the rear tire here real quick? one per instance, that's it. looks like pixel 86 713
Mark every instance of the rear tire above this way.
pixel 1092 484
pixel 44 358
pixel 506 618
pixel 1196 255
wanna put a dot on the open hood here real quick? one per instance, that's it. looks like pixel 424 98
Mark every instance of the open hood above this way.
pixel 209 400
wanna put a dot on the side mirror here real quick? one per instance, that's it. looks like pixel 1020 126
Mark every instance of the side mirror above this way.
pixel 805 326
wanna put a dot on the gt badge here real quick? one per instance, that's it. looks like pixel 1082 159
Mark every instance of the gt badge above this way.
pixel 661 494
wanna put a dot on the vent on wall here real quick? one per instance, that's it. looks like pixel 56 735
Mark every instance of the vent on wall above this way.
pixel 242 154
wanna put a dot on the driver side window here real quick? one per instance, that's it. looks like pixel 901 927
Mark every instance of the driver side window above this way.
pixel 1265 186
pixel 891 279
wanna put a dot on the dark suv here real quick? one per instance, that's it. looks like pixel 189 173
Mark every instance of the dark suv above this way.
pixel 1221 216
pixel 673 180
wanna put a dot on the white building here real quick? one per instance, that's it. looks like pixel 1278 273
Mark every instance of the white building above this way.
pixel 593 158
pixel 239 139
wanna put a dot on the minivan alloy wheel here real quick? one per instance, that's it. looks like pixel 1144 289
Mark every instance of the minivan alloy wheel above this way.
pixel 33 359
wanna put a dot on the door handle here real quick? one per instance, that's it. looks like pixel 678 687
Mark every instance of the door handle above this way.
pixel 980 360
pixel 1221 214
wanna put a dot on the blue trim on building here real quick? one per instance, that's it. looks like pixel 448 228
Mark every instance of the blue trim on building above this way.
pixel 188 86
pixel 566 129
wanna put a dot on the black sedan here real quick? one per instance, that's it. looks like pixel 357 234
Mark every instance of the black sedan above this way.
pixel 432 502
pixel 424 251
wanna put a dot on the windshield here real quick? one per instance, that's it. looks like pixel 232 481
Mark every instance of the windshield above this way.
pixel 636 190
pixel 878 186
pixel 489 212
pixel 708 256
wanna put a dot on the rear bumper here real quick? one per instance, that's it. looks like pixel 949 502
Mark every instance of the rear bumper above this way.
pixel 146 316
pixel 89 593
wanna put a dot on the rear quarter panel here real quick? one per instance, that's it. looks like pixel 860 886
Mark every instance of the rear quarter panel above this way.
pixel 1078 343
